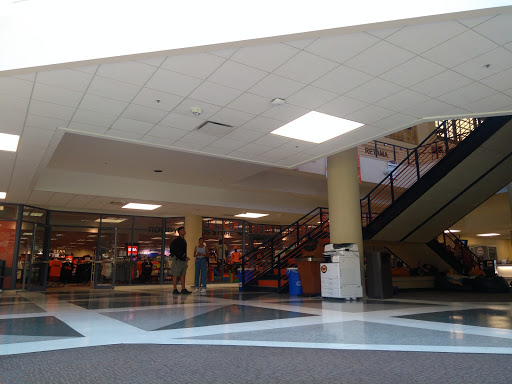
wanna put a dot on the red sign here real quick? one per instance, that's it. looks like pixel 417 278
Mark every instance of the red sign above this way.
pixel 133 250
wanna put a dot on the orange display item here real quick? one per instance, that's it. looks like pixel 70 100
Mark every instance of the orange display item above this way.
pixel 55 266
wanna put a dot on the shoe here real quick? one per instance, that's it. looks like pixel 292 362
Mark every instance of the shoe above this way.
pixel 196 290
pixel 185 292
pixel 203 291
pixel 175 292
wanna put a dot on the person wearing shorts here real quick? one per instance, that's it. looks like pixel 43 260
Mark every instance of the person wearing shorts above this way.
pixel 178 251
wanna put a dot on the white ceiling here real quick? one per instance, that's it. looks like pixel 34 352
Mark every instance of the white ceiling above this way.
pixel 387 78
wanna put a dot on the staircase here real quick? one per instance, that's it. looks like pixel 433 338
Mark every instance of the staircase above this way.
pixel 454 252
pixel 264 268
pixel 456 168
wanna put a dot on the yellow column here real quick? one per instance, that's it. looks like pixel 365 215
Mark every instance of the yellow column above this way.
pixel 344 201
pixel 194 229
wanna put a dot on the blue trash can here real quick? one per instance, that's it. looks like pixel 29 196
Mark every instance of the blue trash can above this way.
pixel 294 281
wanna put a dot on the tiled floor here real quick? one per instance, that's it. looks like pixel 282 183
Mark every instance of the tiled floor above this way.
pixel 31 322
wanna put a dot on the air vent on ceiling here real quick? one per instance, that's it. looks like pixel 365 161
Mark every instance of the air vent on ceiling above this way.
pixel 215 129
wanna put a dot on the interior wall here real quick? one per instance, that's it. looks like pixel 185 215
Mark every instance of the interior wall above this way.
pixel 503 246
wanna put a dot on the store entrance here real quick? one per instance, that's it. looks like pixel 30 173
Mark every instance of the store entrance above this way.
pixel 33 262
pixel 104 267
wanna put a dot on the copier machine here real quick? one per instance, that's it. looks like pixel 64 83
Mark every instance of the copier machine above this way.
pixel 341 273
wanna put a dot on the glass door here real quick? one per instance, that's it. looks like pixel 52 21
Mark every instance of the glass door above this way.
pixel 105 261
pixel 34 258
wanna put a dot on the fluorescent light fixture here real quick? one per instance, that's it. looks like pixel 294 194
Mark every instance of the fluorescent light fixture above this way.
pixel 316 127
pixel 488 234
pixel 8 142
pixel 26 234
pixel 115 220
pixel 252 215
pixel 3 195
pixel 146 207
pixel 452 231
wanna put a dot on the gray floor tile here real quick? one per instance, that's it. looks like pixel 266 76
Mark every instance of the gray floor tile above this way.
pixel 37 326
pixel 14 309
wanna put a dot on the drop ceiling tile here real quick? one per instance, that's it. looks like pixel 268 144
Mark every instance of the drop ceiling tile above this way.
pixel 508 92
pixel 102 104
pixel 184 122
pixel 244 134
pixel 16 87
pixel 198 138
pixel 305 67
pixel 131 72
pixel 148 97
pixel 45 122
pixel 271 140
pixel 188 145
pixel 370 114
pixel 56 95
pixel 279 153
pixel 285 113
pixel 383 33
pixel 299 44
pixel 500 81
pixel 366 132
pixel 374 90
pixel 60 199
pixel 124 134
pixel 26 76
pixel 112 89
pixel 341 106
pixel 311 97
pixel 379 58
pixel 159 141
pixel 342 48
pixel 265 57
pixel 78 201
pixel 216 151
pixel 250 103
pixel 225 53
pixel 297 159
pixel 40 197
pixel 237 76
pixel 434 109
pixel 474 21
pixel 496 102
pixel 172 82
pixel 232 117
pixel 461 48
pixel 12 113
pixel 274 86
pixel 263 124
pixel 412 72
pixel 36 137
pixel 207 110
pixel 215 94
pixel 161 131
pixel 55 111
pixel 421 38
pixel 342 79
pixel 298 145
pixel 497 29
pixel 241 155
pixel 402 100
pixel 200 65
pixel 130 125
pixel 94 118
pixel 226 143
pixel 154 61
pixel 66 78
pixel 440 84
pixel 467 94
pixel 499 59
pixel 87 128
pixel 395 122
pixel 142 113
pixel 91 69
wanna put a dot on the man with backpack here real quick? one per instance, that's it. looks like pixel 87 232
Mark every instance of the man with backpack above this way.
pixel 178 251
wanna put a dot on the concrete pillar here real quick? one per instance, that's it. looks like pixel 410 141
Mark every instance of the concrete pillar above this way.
pixel 344 201
pixel 194 229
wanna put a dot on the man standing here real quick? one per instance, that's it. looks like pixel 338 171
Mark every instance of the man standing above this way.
pixel 178 251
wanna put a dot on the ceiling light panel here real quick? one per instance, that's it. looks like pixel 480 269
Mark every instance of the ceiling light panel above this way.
pixel 3 195
pixel 9 142
pixel 252 215
pixel 316 127
pixel 488 234
pixel 146 207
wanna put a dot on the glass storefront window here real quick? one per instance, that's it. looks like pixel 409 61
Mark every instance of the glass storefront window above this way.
pixel 7 242
pixel 34 215
pixel 8 212
pixel 75 219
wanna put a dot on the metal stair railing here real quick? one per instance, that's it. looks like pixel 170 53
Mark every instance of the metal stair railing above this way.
pixel 460 251
pixel 442 140
pixel 271 253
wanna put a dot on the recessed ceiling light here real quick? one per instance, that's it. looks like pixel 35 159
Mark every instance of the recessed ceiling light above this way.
pixel 146 207
pixel 110 220
pixel 316 127
pixel 3 195
pixel 488 234
pixel 8 142
pixel 252 215
pixel 452 231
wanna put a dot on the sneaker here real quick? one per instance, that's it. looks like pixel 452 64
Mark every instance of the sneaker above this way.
pixel 203 291
pixel 185 291
pixel 196 290
pixel 175 292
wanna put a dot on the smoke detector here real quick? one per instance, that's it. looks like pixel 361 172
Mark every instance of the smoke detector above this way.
pixel 196 111
pixel 278 101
